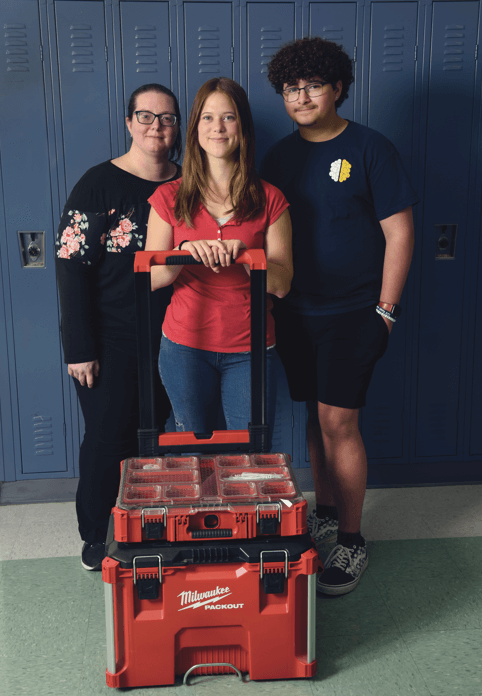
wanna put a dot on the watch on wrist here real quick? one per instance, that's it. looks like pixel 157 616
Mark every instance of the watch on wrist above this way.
pixel 393 310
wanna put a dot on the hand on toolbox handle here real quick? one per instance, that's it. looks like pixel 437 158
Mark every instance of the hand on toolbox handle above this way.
pixel 214 253
pixel 255 259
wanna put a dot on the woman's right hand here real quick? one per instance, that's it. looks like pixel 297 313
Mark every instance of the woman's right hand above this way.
pixel 85 372
pixel 212 252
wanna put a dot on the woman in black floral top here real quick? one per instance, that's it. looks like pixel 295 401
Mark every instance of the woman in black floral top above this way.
pixel 103 224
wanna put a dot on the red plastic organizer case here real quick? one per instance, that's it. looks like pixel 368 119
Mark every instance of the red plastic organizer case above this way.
pixel 241 496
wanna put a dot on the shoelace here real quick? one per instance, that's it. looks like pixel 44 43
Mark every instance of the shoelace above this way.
pixel 340 557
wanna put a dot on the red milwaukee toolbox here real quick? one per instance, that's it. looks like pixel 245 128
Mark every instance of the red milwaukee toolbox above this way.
pixel 184 608
pixel 195 498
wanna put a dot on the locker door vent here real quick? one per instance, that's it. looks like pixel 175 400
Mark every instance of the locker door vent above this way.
pixel 209 44
pixel 145 38
pixel 454 45
pixel 43 437
pixel 333 32
pixel 81 44
pixel 16 48
pixel 394 48
pixel 271 41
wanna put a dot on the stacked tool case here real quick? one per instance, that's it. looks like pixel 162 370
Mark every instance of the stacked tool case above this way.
pixel 187 498
pixel 209 567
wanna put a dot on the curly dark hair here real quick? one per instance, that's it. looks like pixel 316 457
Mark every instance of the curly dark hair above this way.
pixel 309 58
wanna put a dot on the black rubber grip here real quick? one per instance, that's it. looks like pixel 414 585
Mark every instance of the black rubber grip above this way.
pixel 182 261
pixel 211 533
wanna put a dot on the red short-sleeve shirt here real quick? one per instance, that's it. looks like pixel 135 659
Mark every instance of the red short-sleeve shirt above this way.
pixel 211 311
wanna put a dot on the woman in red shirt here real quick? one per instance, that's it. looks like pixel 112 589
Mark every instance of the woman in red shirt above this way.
pixel 218 207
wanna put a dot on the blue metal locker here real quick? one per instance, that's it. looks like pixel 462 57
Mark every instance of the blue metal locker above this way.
pixel 390 104
pixel 146 49
pixel 269 26
pixel 32 320
pixel 82 55
pixel 443 270
pixel 337 21
pixel 208 46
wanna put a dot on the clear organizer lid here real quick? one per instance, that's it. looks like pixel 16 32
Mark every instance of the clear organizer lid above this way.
pixel 201 482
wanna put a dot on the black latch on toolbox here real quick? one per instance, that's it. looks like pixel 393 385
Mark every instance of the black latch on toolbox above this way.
pixel 273 578
pixel 274 581
pixel 147 584
pixel 153 528
pixel 268 516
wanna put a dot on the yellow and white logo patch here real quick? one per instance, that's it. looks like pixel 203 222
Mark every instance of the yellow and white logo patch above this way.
pixel 340 170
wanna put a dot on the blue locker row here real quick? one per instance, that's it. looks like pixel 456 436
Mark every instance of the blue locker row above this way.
pixel 69 66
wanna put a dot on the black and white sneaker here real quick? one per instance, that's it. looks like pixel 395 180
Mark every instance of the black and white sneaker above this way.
pixel 343 570
pixel 92 555
pixel 323 531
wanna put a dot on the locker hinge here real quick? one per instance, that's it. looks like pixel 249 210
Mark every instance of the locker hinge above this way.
pixel 169 54
pixel 354 54
pixel 292 421
pixel 65 431
pixel 41 54
pixel 106 58
pixel 476 51
pixel 232 54
pixel 415 57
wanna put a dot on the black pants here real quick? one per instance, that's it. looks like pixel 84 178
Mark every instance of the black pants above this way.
pixel 111 415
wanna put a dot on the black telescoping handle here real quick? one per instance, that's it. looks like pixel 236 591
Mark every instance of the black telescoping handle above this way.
pixel 148 428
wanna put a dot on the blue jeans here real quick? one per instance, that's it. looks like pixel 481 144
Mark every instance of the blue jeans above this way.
pixel 199 382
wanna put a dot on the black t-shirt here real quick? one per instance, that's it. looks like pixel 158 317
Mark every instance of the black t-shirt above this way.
pixel 103 224
pixel 338 191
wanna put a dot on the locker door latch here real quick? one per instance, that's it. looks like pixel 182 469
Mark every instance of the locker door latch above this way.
pixel 147 583
pixel 32 249
pixel 268 517
pixel 445 238
pixel 153 527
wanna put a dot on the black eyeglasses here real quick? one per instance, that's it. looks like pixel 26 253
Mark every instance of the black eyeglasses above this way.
pixel 147 117
pixel 292 94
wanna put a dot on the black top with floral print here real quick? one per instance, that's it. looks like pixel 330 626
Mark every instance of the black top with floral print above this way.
pixel 103 224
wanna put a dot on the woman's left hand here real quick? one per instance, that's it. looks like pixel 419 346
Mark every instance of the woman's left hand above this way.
pixel 232 248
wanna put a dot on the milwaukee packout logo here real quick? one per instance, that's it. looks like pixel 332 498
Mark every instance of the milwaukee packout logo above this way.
pixel 194 600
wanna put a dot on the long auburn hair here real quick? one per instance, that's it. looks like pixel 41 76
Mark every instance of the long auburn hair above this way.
pixel 245 188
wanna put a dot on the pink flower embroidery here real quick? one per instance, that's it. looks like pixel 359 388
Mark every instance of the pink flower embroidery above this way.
pixel 124 240
pixel 111 212
pixel 64 253
pixel 126 225
pixel 77 217
pixel 102 239
pixel 73 245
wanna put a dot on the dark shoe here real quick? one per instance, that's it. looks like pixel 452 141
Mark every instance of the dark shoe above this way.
pixel 343 570
pixel 92 555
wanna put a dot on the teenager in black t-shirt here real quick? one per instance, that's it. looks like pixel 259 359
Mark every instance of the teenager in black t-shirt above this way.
pixel 350 205
pixel 103 224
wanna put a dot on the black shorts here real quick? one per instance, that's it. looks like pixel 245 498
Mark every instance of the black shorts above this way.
pixel 330 358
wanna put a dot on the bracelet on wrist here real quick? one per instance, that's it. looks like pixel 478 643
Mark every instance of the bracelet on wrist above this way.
pixel 183 242
pixel 384 313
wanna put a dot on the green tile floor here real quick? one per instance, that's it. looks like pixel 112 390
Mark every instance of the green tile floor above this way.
pixel 413 627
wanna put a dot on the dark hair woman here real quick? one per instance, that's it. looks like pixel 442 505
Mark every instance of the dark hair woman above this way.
pixel 103 224
pixel 218 207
